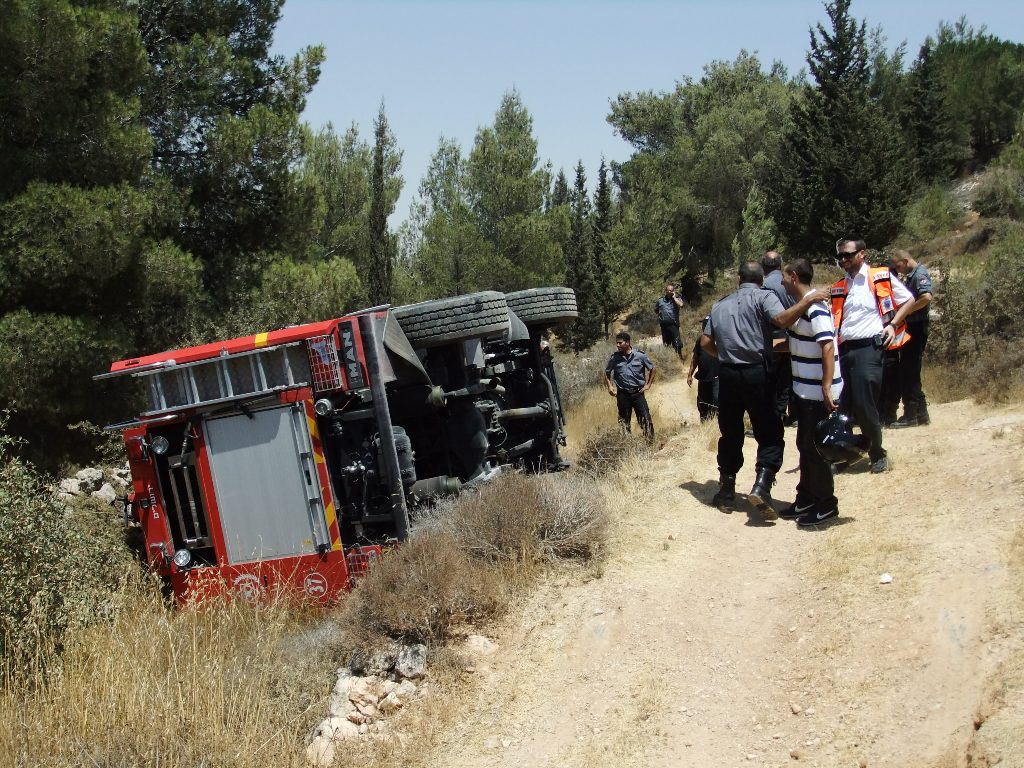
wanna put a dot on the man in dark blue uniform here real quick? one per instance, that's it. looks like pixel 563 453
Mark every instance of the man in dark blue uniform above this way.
pixel 705 367
pixel 739 334
pixel 916 277
pixel 667 308
pixel 628 375
pixel 771 262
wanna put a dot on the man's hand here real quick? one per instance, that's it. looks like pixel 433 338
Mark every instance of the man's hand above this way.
pixel 644 388
pixel 689 380
pixel 830 404
pixel 888 336
pixel 817 294
pixel 611 391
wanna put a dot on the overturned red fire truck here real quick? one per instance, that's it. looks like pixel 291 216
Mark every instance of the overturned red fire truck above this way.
pixel 288 459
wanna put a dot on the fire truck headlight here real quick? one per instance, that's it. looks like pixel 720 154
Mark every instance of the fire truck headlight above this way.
pixel 323 407
pixel 160 445
pixel 183 558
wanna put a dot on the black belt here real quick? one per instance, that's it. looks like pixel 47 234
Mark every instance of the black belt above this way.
pixel 856 343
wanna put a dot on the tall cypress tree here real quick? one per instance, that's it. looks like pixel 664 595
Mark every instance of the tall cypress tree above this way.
pixel 383 196
pixel 843 165
pixel 929 120
pixel 602 257
pixel 579 269
pixel 560 190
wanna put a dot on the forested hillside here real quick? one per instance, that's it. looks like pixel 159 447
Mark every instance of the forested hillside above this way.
pixel 158 186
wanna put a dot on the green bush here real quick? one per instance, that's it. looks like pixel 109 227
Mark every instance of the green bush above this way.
pixel 932 214
pixel 978 331
pixel 1002 194
pixel 58 570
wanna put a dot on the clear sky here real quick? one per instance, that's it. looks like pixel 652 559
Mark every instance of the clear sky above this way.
pixel 442 66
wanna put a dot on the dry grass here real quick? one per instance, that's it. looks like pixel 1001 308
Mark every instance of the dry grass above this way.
pixel 606 447
pixel 226 684
pixel 237 684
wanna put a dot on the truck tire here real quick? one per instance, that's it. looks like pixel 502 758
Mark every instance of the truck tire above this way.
pixel 445 321
pixel 543 306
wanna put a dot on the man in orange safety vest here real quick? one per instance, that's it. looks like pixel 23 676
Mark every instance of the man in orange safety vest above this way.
pixel 869 309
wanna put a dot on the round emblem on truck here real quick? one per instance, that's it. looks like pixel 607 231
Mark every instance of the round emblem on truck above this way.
pixel 247 585
pixel 315 585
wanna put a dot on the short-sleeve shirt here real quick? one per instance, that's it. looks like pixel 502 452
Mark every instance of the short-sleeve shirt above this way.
pixel 629 371
pixel 860 309
pixel 805 338
pixel 773 283
pixel 741 325
pixel 919 281
pixel 667 309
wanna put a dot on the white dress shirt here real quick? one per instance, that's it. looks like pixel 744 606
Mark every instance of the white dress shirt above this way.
pixel 860 310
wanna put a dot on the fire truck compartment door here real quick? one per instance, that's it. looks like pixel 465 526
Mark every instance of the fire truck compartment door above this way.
pixel 268 491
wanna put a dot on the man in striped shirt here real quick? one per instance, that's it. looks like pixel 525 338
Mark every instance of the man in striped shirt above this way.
pixel 817 383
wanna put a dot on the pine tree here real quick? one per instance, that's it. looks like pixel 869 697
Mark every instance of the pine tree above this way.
pixel 579 269
pixel 383 195
pixel 507 185
pixel 843 166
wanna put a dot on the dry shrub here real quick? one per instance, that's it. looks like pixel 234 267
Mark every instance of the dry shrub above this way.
pixel 419 592
pixel 470 559
pixel 222 684
pixel 606 447
pixel 577 517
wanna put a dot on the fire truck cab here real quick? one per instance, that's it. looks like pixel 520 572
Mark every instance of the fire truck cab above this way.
pixel 288 459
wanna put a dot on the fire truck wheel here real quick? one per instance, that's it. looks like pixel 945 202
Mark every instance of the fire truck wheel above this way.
pixel 444 321
pixel 543 306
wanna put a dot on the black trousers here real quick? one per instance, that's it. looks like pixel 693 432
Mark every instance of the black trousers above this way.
pixel 707 399
pixel 911 355
pixel 751 390
pixel 861 367
pixel 816 485
pixel 782 370
pixel 889 397
pixel 630 402
pixel 670 337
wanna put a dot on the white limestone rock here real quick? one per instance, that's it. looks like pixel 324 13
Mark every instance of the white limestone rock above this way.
pixel 89 479
pixel 106 494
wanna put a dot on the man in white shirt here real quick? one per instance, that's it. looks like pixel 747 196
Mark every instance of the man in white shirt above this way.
pixel 869 309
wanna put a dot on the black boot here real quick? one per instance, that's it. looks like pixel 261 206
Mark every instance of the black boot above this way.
pixel 910 418
pixel 726 494
pixel 922 414
pixel 761 494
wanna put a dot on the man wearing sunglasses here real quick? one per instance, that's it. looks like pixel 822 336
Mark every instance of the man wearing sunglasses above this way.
pixel 869 309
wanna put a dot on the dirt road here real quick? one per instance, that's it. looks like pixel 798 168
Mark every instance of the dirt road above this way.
pixel 712 639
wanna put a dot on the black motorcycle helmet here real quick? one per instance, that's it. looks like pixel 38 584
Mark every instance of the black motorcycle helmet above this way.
pixel 835 440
